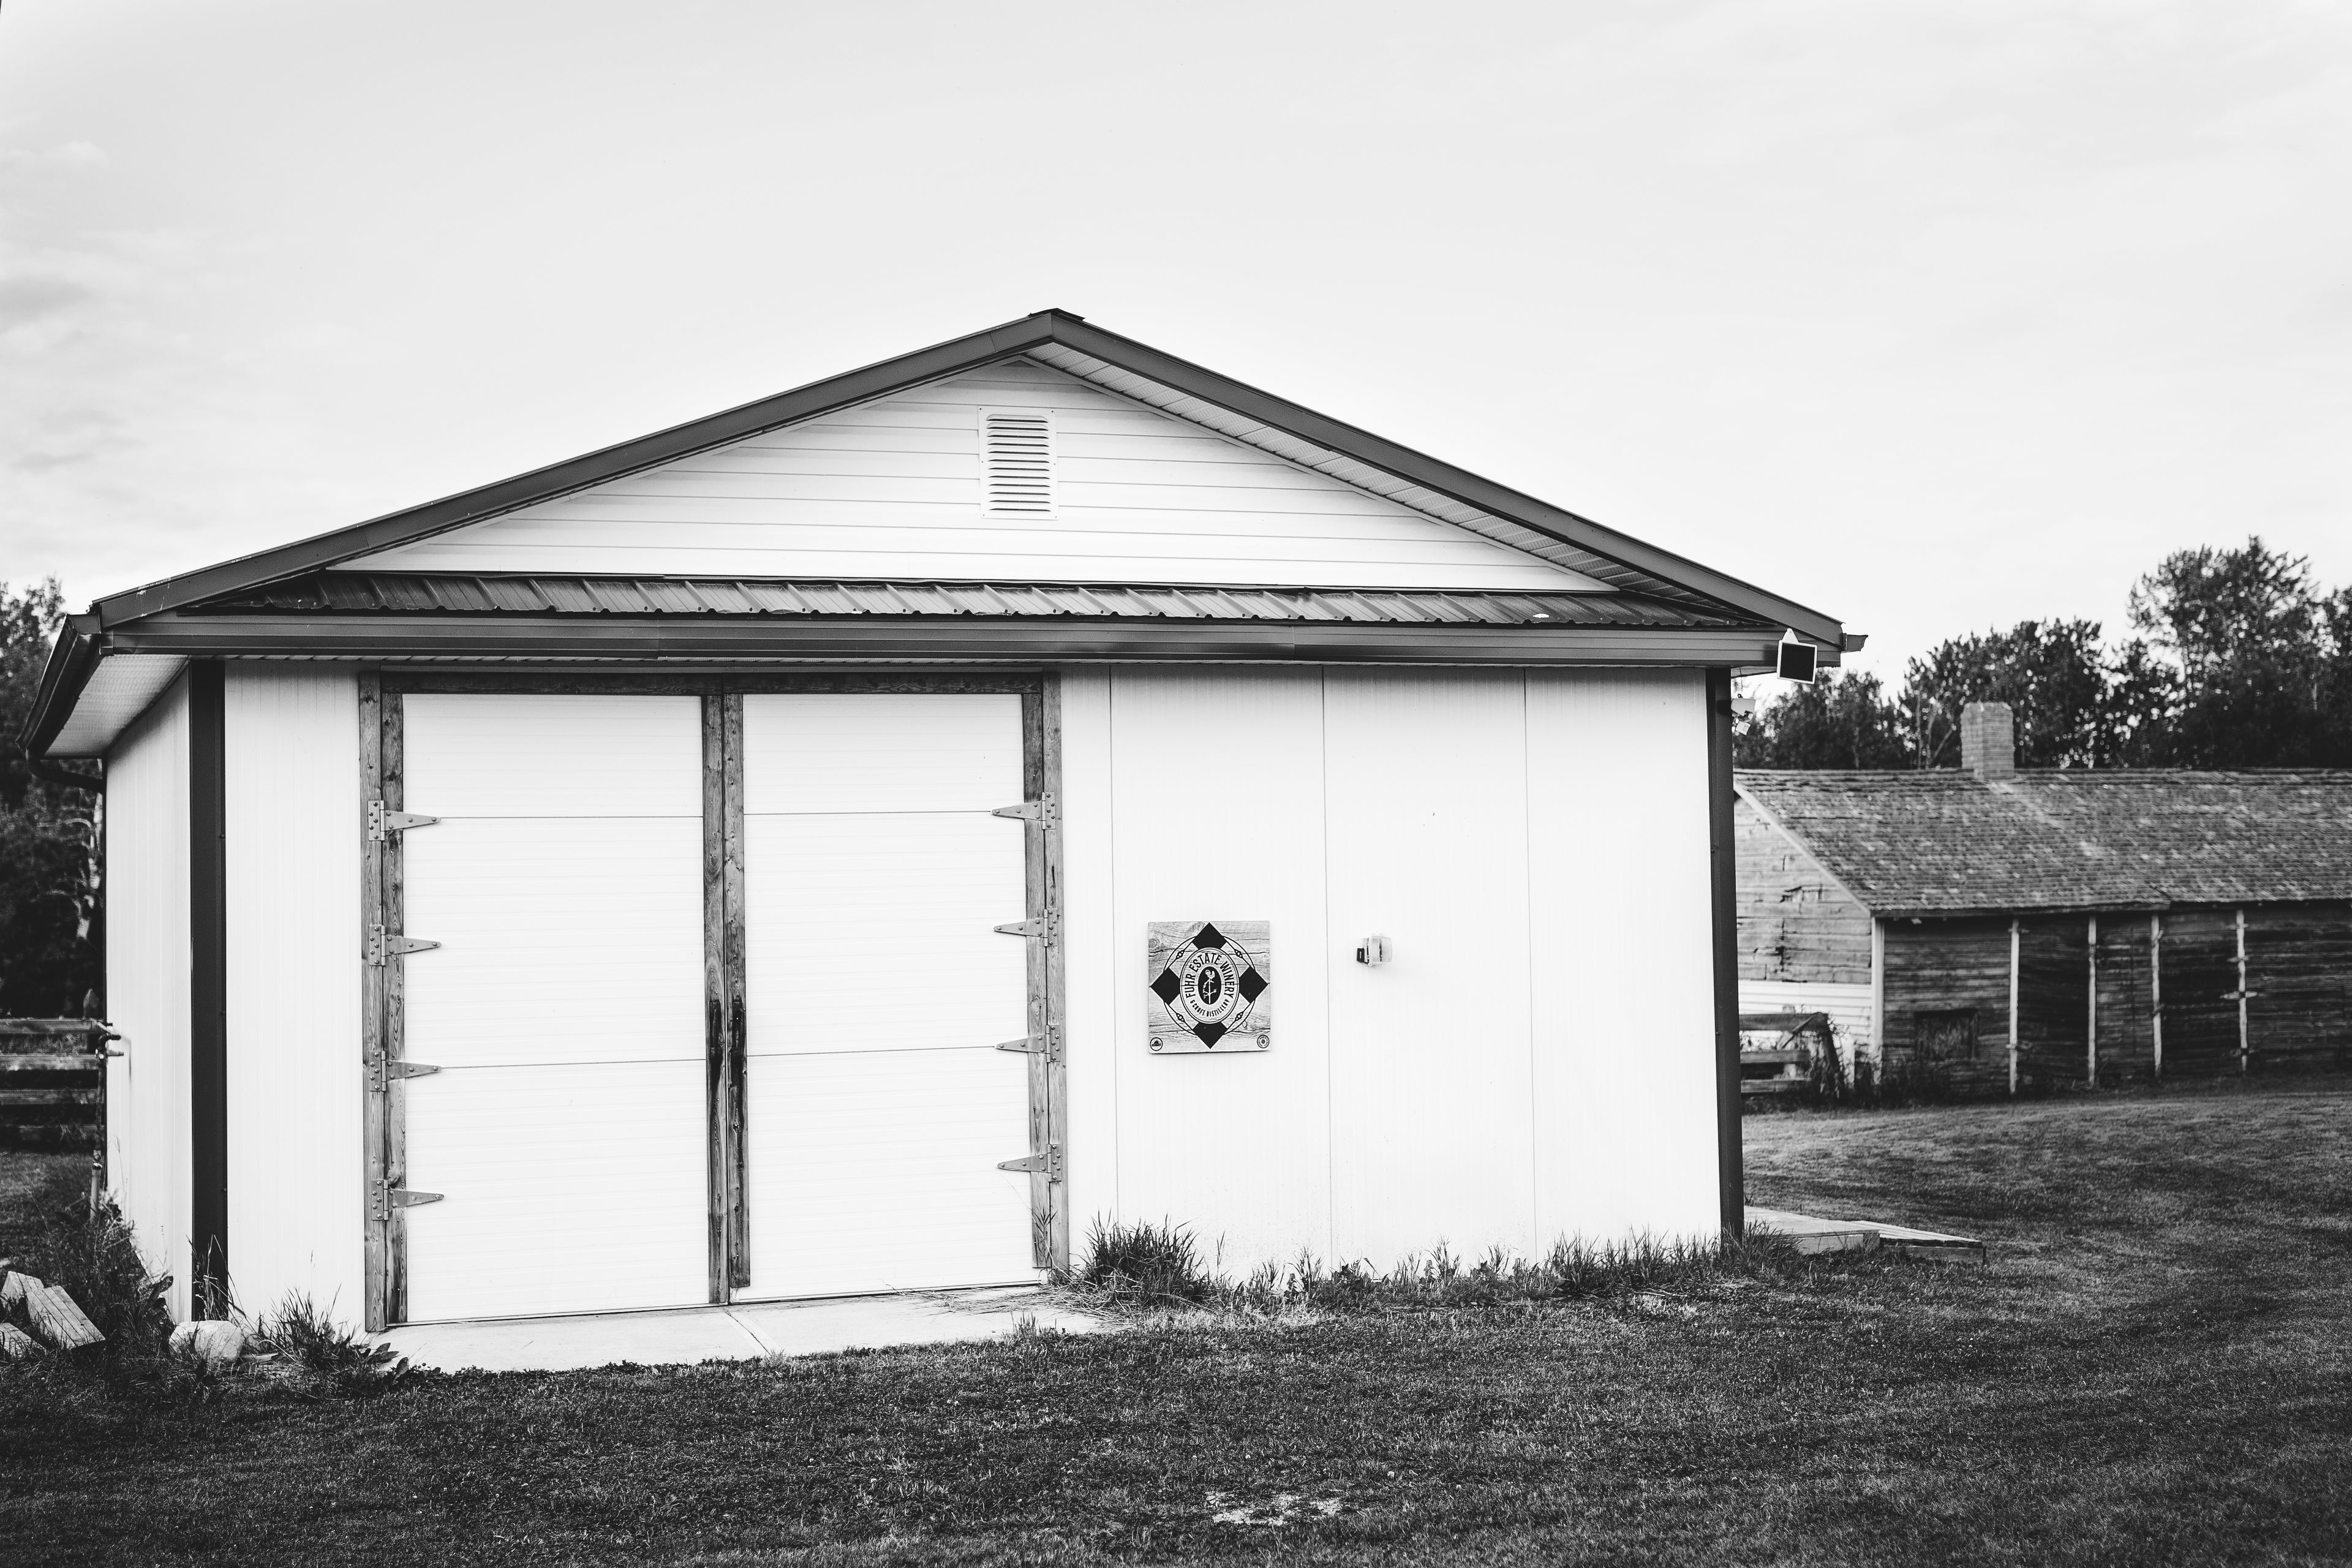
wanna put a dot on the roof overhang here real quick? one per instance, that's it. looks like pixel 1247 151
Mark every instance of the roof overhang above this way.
pixel 130 622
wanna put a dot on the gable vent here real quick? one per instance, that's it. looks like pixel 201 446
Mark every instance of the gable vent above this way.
pixel 1020 457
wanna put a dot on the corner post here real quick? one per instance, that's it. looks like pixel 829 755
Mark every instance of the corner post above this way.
pixel 1723 878
pixel 208 988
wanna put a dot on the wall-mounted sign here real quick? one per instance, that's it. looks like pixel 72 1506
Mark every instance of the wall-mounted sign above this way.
pixel 1211 987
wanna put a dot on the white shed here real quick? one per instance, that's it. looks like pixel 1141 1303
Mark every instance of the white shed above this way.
pixel 852 842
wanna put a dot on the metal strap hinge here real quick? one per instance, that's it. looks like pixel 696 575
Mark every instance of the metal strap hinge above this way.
pixel 1048 928
pixel 384 944
pixel 1050 1162
pixel 1048 1044
pixel 383 824
pixel 1040 810
pixel 386 1197
pixel 381 1071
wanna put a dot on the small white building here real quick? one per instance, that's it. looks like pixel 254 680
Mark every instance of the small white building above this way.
pixel 856 842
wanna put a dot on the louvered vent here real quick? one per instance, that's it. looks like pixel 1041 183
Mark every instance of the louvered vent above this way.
pixel 1020 464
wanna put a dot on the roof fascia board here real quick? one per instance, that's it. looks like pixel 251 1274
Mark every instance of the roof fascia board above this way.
pixel 594 468
pixel 1445 477
pixel 1792 835
pixel 942 638
pixel 72 657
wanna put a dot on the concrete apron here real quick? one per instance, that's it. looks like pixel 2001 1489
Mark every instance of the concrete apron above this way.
pixel 688 1334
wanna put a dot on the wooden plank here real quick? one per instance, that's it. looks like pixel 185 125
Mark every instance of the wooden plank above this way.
pixel 38 1031
pixel 1038 907
pixel 59 1318
pixel 1058 1061
pixel 77 1063
pixel 2156 994
pixel 717 1107
pixel 375 1249
pixel 739 1026
pixel 394 788
pixel 63 1095
pixel 2245 1042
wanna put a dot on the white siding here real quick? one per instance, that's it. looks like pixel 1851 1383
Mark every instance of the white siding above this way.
pixel 1537 1059
pixel 147 962
pixel 1623 932
pixel 296 1181
pixel 892 488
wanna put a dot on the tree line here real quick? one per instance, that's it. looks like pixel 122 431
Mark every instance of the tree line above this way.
pixel 52 936
pixel 2237 658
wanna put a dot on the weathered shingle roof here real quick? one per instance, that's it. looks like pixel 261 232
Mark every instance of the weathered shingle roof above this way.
pixel 1943 842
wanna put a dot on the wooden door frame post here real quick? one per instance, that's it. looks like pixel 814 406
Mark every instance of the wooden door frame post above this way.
pixel 2156 994
pixel 1724 889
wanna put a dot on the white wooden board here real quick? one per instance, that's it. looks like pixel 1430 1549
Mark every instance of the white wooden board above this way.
pixel 485 754
pixel 568 1189
pixel 881 752
pixel 873 1172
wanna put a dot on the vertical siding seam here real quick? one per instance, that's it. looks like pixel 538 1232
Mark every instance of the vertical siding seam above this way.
pixel 1526 857
pixel 1110 841
pixel 1331 1033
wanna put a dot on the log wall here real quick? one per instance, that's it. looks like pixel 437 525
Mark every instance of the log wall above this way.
pixel 2298 970
pixel 1795 924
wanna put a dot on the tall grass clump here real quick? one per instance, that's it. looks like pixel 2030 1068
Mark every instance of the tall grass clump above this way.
pixel 1145 1264
pixel 87 1248
pixel 322 1357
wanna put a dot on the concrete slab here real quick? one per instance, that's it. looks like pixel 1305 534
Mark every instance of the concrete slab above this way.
pixel 693 1334
pixel 1811 1234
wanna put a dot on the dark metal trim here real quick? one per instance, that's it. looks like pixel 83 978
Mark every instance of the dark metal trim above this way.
pixel 1723 875
pixel 71 659
pixel 1058 640
pixel 208 1272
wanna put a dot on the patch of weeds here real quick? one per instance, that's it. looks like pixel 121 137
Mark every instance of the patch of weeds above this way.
pixel 89 1251
pixel 323 1358
pixel 1145 1264
pixel 1157 1267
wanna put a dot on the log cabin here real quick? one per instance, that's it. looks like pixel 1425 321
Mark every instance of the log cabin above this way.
pixel 1988 930
pixel 857 841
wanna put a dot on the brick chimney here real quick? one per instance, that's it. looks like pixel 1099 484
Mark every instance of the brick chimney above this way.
pixel 1987 741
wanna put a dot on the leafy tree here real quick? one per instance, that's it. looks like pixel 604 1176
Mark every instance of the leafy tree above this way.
pixel 2263 657
pixel 2049 672
pixel 51 934
pixel 1843 720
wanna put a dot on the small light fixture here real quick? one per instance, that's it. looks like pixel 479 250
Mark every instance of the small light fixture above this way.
pixel 1372 949
pixel 1540 615
pixel 1798 660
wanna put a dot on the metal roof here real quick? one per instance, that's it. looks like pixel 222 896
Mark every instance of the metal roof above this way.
pixel 368 592
pixel 1944 842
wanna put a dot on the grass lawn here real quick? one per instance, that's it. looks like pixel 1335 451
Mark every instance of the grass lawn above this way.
pixel 2156 1365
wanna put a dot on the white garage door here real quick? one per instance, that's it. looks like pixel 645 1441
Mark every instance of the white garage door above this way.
pixel 566 1128
pixel 876 1104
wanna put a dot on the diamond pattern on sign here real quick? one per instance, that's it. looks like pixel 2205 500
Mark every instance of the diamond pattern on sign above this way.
pixel 1210 985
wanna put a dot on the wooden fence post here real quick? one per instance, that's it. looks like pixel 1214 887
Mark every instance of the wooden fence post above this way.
pixel 2012 1007
pixel 2091 1031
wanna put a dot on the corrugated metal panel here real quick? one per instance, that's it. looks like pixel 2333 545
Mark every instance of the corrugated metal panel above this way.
pixel 1433 1138
pixel 873 1172
pixel 1622 930
pixel 567 1189
pixel 543 594
pixel 147 983
pixel 895 489
pixel 295 1176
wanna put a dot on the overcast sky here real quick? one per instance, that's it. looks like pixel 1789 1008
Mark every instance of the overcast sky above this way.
pixel 1932 315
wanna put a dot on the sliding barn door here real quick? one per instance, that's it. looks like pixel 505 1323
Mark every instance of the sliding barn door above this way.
pixel 565 1128
pixel 877 1106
